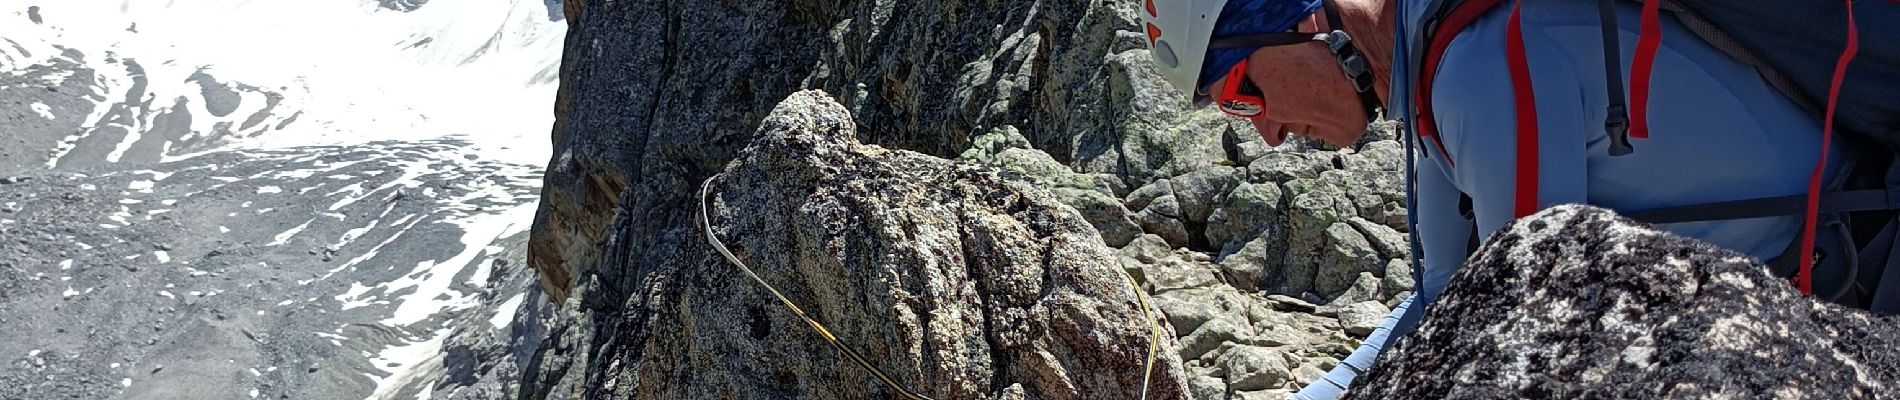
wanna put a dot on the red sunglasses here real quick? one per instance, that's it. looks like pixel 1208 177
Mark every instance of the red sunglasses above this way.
pixel 1238 96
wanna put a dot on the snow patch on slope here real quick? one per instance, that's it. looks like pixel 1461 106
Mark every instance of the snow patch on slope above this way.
pixel 432 281
pixel 483 70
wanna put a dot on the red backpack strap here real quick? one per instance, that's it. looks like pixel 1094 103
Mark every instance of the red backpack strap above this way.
pixel 1804 277
pixel 1438 38
pixel 1454 20
pixel 1647 41
pixel 1525 202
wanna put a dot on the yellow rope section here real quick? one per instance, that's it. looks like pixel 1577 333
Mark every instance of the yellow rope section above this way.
pixel 1154 331
pixel 705 192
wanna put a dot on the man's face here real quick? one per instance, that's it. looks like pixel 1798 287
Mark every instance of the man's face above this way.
pixel 1306 94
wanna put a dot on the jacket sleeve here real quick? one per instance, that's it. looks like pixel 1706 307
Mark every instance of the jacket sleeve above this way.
pixel 1477 124
pixel 1443 233
pixel 1476 115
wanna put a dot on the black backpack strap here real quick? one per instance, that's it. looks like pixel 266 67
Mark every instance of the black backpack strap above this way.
pixel 1885 296
pixel 1263 40
pixel 1831 202
pixel 1617 121
pixel 1834 249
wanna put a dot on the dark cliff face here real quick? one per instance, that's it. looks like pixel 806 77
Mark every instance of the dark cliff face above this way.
pixel 657 95
pixel 1626 311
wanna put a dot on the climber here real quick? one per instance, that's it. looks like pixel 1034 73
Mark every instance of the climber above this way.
pixel 1323 69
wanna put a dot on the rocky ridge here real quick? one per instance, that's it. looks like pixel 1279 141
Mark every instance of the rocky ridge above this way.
pixel 1267 264
pixel 258 273
pixel 948 277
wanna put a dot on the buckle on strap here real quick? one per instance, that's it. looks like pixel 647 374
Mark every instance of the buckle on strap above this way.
pixel 1338 40
pixel 1617 126
pixel 1354 64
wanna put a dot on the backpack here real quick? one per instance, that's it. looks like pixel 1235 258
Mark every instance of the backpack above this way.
pixel 1799 47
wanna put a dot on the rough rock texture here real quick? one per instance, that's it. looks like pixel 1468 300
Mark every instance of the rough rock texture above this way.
pixel 1630 312
pixel 1006 149
pixel 1057 94
pixel 1071 75
pixel 955 281
pixel 1056 82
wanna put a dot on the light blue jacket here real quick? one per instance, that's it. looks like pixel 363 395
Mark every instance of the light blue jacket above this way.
pixel 1718 132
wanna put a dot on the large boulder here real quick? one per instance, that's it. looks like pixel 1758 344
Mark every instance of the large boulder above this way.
pixel 1346 254
pixel 951 279
pixel 1576 302
pixel 1251 209
pixel 1253 368
pixel 1163 217
pixel 1199 192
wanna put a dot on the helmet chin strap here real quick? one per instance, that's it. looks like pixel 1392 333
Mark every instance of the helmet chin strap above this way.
pixel 1351 61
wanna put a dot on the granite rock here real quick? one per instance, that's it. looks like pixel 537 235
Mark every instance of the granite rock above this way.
pixel 1604 307
pixel 952 279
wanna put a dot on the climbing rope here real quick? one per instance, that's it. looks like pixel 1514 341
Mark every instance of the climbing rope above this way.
pixel 1154 331
pixel 705 193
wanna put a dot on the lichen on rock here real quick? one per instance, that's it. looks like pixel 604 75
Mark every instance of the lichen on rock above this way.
pixel 1577 302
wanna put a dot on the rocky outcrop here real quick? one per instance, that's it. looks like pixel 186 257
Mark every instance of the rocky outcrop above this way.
pixel 1625 311
pixel 952 280
pixel 1054 94
pixel 1072 76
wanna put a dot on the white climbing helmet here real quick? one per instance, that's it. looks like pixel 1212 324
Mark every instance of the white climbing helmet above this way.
pixel 1178 33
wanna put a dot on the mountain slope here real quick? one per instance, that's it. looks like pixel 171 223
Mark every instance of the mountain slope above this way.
pixel 233 199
